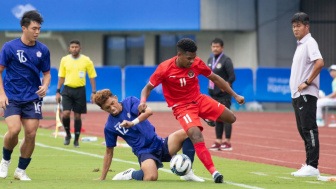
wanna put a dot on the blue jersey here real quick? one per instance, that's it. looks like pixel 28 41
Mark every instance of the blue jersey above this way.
pixel 141 137
pixel 23 66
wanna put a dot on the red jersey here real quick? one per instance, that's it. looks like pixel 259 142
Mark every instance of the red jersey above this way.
pixel 179 85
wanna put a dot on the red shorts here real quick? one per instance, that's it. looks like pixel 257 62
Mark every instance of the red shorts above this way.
pixel 204 107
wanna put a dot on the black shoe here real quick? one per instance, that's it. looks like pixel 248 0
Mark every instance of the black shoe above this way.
pixel 210 123
pixel 218 178
pixel 67 140
pixel 76 144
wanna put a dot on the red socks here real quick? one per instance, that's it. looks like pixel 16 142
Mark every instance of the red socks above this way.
pixel 205 157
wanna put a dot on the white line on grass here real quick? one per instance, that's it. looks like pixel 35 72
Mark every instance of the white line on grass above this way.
pixel 135 163
pixel 287 178
pixel 130 162
pixel 313 182
pixel 274 160
pixel 261 174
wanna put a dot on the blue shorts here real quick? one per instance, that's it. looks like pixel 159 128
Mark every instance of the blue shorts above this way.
pixel 26 109
pixel 159 156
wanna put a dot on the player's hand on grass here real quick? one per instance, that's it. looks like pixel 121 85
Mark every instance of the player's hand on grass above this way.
pixel 240 99
pixel 142 107
pixel 3 101
pixel 42 91
pixel 126 124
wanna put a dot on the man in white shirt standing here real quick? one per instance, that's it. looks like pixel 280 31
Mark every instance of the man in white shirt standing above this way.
pixel 304 85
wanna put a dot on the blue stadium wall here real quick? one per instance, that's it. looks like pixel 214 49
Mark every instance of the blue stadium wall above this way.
pixel 105 15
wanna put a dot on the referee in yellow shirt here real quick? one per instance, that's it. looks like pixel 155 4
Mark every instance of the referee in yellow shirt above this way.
pixel 72 73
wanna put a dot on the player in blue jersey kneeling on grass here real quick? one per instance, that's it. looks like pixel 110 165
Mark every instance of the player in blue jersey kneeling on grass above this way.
pixel 124 121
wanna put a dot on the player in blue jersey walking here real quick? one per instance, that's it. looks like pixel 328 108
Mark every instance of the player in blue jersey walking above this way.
pixel 21 91
pixel 124 121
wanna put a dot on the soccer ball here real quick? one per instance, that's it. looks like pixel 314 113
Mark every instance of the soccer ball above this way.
pixel 180 164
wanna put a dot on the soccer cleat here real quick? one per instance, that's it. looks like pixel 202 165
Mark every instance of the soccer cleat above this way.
pixel 218 178
pixel 215 146
pixel 191 177
pixel 76 144
pixel 302 167
pixel 4 165
pixel 225 147
pixel 307 171
pixel 67 140
pixel 210 123
pixel 20 174
pixel 126 175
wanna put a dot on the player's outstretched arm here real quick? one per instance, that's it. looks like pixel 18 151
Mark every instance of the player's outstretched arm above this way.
pixel 142 117
pixel 144 95
pixel 224 86
pixel 107 163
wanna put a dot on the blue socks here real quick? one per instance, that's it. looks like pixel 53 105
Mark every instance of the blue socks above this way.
pixel 188 149
pixel 23 163
pixel 6 154
pixel 138 175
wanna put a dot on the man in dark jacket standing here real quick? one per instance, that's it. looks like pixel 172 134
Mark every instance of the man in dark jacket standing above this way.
pixel 221 65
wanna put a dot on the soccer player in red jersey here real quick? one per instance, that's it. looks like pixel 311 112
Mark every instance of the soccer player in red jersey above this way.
pixel 181 90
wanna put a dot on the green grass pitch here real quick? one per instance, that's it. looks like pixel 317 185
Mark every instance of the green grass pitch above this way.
pixel 57 166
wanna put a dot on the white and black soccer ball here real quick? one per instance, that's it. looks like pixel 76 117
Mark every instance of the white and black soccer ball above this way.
pixel 180 164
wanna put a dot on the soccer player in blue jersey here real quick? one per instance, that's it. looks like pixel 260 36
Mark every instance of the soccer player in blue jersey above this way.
pixel 124 121
pixel 21 91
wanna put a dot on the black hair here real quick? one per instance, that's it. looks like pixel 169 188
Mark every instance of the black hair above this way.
pixel 217 40
pixel 74 41
pixel 186 45
pixel 300 17
pixel 31 16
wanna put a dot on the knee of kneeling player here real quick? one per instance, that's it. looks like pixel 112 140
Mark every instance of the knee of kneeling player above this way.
pixel 150 177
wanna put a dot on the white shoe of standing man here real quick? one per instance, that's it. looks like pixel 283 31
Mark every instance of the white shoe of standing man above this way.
pixel 303 166
pixel 20 174
pixel 307 171
pixel 191 177
pixel 126 175
pixel 4 165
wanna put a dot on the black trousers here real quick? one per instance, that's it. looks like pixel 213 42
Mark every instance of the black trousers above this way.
pixel 220 126
pixel 305 114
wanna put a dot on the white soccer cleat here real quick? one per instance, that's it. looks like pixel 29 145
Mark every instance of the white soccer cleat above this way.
pixel 191 177
pixel 302 167
pixel 126 175
pixel 20 174
pixel 4 165
pixel 307 171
